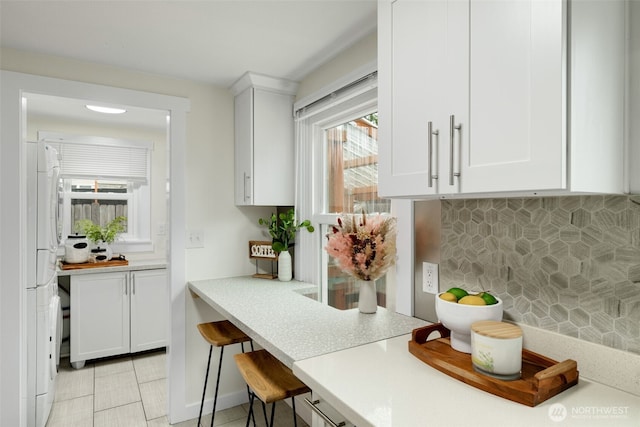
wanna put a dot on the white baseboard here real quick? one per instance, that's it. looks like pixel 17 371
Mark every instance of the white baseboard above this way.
pixel 225 401
pixel 234 399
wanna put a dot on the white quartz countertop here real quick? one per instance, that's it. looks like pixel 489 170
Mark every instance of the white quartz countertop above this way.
pixel 382 384
pixel 133 265
pixel 280 318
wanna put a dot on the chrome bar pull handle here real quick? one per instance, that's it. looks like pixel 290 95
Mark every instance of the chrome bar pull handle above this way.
pixel 324 416
pixel 133 283
pixel 431 132
pixel 247 180
pixel 452 128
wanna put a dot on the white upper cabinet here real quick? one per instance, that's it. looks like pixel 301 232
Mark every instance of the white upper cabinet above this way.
pixel 488 97
pixel 264 144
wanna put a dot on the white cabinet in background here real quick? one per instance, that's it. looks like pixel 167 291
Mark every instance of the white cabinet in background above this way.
pixel 479 97
pixel 264 143
pixel 117 313
pixel 149 305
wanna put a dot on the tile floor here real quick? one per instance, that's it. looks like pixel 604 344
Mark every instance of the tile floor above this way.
pixel 130 391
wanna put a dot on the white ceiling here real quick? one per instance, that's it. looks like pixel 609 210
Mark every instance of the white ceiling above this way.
pixel 212 41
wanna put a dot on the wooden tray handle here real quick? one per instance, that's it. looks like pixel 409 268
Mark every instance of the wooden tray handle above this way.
pixel 421 335
pixel 565 372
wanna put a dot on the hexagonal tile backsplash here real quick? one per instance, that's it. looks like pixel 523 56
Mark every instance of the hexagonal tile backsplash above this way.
pixel 566 264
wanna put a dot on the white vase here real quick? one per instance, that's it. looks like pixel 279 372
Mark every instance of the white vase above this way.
pixel 284 266
pixel 107 246
pixel 368 298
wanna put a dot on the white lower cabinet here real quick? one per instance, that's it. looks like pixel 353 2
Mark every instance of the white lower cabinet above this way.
pixel 325 415
pixel 117 313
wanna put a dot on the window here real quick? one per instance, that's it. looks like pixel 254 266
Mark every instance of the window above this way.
pixel 104 178
pixel 98 200
pixel 337 173
pixel 351 178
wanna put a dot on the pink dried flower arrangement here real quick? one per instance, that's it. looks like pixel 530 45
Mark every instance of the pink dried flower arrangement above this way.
pixel 364 247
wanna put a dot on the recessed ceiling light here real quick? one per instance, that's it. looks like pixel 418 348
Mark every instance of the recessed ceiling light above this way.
pixel 106 110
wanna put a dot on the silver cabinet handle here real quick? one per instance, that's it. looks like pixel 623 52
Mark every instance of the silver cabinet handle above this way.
pixel 247 179
pixel 317 410
pixel 452 128
pixel 126 284
pixel 431 132
pixel 133 283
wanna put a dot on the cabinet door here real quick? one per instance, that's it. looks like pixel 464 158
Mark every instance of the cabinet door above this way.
pixel 149 310
pixel 99 315
pixel 273 158
pixel 243 126
pixel 516 133
pixel 264 148
pixel 422 51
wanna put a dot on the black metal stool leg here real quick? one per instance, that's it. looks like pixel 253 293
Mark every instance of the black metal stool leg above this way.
pixel 253 415
pixel 215 396
pixel 273 411
pixel 250 414
pixel 293 404
pixel 206 377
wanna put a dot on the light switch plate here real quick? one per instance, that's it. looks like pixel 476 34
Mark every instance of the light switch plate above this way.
pixel 195 239
pixel 430 278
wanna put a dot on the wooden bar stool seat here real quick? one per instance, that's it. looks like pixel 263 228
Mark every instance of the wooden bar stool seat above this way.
pixel 219 334
pixel 222 333
pixel 268 379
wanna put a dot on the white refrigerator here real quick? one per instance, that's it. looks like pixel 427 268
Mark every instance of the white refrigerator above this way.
pixel 43 312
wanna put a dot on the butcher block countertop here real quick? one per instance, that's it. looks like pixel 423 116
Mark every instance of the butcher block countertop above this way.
pixel 131 265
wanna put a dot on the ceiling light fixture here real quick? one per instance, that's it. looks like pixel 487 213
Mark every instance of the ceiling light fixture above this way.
pixel 106 110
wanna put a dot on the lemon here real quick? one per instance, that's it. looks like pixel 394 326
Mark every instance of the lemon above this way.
pixel 458 292
pixel 488 298
pixel 472 300
pixel 448 296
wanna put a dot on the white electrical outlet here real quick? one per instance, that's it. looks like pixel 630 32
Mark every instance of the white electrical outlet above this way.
pixel 430 278
pixel 195 239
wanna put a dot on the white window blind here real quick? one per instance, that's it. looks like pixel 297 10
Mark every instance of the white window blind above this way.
pixel 99 157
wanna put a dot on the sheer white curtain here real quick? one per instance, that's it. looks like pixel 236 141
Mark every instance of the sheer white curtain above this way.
pixel 353 99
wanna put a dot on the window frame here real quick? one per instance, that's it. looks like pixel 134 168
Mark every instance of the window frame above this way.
pixel 319 216
pixel 138 196
pixel 311 258
pixel 138 235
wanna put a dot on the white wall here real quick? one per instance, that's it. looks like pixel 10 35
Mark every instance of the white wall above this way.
pixel 209 191
pixel 209 176
pixel 360 54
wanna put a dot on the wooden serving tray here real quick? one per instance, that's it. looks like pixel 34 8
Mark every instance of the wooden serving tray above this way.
pixel 541 378
pixel 110 263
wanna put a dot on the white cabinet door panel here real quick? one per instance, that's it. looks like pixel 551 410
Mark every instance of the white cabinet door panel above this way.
pixel 412 55
pixel 273 152
pixel 516 98
pixel 100 315
pixel 243 158
pixel 149 309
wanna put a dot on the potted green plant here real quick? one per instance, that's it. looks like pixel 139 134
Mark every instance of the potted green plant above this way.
pixel 282 229
pixel 97 234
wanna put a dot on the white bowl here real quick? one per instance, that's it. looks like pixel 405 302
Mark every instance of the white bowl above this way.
pixel 459 317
